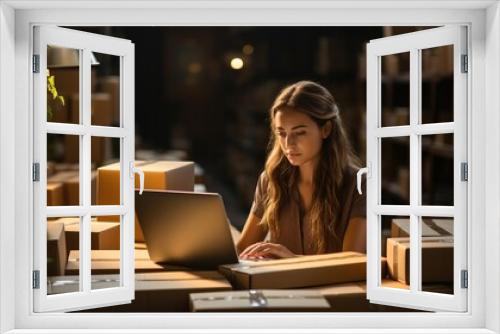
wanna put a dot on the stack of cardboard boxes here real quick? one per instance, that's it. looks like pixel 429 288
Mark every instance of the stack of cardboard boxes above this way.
pixel 437 251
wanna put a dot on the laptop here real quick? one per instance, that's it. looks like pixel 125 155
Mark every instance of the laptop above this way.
pixel 186 229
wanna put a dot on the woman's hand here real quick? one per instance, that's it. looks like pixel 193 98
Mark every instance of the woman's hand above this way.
pixel 266 250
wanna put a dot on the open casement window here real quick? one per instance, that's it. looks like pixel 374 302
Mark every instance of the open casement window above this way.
pixel 410 130
pixel 75 130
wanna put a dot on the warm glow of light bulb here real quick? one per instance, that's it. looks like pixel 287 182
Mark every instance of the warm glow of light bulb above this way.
pixel 248 49
pixel 236 63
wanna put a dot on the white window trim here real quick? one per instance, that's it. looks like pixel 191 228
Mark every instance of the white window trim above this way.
pixel 483 145
pixel 85 43
pixel 414 44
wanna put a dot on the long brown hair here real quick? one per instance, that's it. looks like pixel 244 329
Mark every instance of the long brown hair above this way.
pixel 336 156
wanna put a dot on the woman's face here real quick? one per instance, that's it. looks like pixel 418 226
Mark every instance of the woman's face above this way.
pixel 299 136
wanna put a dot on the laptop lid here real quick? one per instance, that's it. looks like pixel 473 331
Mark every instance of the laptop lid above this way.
pixel 185 228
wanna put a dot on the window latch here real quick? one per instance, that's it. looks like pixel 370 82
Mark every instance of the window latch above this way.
pixel 134 170
pixel 365 170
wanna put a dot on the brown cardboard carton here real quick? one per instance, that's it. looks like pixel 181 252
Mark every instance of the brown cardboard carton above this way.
pixel 70 180
pixel 63 177
pixel 298 272
pixel 55 193
pixel 99 149
pixel 108 262
pixel 259 301
pixel 431 227
pixel 104 235
pixel 437 259
pixel 56 248
pixel 111 85
pixel 72 185
pixel 102 109
pixel 154 292
pixel 158 175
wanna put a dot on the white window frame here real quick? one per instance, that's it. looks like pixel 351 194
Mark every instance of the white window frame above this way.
pixel 17 18
pixel 85 43
pixel 413 43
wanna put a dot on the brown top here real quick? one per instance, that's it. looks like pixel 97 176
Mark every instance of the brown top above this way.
pixel 295 227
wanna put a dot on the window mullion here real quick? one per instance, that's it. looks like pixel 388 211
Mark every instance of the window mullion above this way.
pixel 85 167
pixel 415 267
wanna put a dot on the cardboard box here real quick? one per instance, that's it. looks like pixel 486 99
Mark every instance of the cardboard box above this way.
pixel 55 193
pixel 158 175
pixel 154 292
pixel 70 180
pixel 437 259
pixel 73 188
pixel 99 149
pixel 297 272
pixel 431 227
pixel 108 262
pixel 104 235
pixel 56 248
pixel 111 85
pixel 102 109
pixel 259 301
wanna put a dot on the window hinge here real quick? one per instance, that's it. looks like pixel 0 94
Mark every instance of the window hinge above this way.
pixel 464 171
pixel 465 66
pixel 465 279
pixel 36 279
pixel 36 63
pixel 36 172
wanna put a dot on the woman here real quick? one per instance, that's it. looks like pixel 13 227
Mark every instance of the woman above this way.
pixel 305 198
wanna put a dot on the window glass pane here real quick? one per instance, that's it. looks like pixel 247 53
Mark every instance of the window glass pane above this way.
pixel 395 248
pixel 63 84
pixel 63 170
pixel 395 170
pixel 437 169
pixel 105 90
pixel 105 252
pixel 437 84
pixel 107 170
pixel 395 89
pixel 63 245
pixel 437 254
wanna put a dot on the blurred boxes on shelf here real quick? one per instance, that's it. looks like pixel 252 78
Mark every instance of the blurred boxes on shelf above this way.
pixel 102 112
pixel 298 272
pixel 437 61
pixel 437 259
pixel 56 248
pixel 431 227
pixel 103 235
pixel 70 180
pixel 55 193
pixel 158 175
pixel 404 182
pixel 111 86
pixel 100 148
pixel 169 155
pixel 259 301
